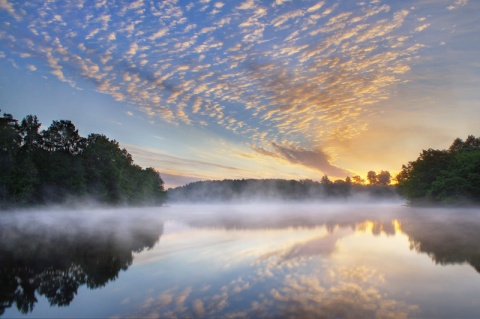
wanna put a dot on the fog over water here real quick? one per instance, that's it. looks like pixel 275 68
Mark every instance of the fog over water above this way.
pixel 274 260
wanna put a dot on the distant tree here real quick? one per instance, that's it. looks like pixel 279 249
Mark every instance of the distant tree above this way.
pixel 228 190
pixel 325 180
pixel 341 188
pixel 372 178
pixel 348 185
pixel 327 184
pixel 357 180
pixel 384 178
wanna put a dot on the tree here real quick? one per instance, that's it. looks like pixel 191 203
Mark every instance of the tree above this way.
pixel 31 137
pixel 105 165
pixel 57 163
pixel 443 176
pixel 357 180
pixel 372 178
pixel 325 180
pixel 9 145
pixel 63 136
pixel 23 182
pixel 384 178
pixel 416 178
pixel 111 175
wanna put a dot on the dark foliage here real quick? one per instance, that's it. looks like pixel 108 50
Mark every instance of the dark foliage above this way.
pixel 444 176
pixel 57 164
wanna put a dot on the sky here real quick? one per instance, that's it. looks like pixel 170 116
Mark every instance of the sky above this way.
pixel 211 90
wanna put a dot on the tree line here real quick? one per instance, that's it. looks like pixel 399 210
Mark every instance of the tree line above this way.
pixel 449 176
pixel 281 189
pixel 57 164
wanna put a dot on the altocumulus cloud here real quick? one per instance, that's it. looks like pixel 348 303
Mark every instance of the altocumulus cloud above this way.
pixel 273 73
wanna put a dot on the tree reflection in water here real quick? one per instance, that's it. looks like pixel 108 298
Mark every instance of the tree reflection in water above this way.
pixel 447 235
pixel 55 259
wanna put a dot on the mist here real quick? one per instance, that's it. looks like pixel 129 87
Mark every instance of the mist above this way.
pixel 279 190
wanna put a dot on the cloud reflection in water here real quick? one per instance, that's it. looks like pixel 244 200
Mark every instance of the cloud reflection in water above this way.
pixel 274 273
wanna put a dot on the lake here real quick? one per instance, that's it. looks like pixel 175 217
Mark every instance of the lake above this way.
pixel 241 260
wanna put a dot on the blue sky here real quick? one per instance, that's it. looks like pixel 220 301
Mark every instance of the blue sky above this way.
pixel 249 89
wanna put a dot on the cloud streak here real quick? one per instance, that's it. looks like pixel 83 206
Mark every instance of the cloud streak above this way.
pixel 316 159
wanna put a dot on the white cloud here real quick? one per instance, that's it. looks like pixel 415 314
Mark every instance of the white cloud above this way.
pixel 158 34
pixel 247 5
pixel 457 4
pixel 5 5
pixel 316 6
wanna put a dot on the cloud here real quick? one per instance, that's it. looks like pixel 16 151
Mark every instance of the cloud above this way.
pixel 5 5
pixel 422 27
pixel 316 159
pixel 247 5
pixel 157 157
pixel 457 4
pixel 198 308
pixel 298 74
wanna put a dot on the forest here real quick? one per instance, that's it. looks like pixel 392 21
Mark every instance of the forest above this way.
pixel 443 177
pixel 57 165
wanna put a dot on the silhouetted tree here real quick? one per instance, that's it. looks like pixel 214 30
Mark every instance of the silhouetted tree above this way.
pixel 384 178
pixel 372 178
pixel 358 180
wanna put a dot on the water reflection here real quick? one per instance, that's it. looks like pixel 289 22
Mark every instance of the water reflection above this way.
pixel 52 255
pixel 325 262
pixel 447 236
pixel 249 261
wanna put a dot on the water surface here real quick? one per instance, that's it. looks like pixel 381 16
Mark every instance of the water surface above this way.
pixel 282 260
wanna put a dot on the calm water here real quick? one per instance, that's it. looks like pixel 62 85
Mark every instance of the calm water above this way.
pixel 299 261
